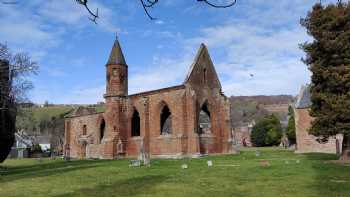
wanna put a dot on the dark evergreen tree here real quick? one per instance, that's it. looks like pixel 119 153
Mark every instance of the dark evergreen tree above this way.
pixel 328 58
pixel 290 130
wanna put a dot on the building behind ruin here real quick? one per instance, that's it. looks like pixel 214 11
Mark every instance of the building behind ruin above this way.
pixel 306 142
pixel 185 120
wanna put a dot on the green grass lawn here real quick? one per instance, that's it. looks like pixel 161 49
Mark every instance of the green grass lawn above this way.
pixel 231 175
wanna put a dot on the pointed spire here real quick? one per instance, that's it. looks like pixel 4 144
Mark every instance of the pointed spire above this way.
pixel 116 56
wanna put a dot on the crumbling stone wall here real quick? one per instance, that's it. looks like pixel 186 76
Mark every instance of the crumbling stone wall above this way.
pixel 84 146
pixel 307 143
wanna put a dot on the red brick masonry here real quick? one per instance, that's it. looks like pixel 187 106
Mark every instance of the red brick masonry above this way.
pixel 108 135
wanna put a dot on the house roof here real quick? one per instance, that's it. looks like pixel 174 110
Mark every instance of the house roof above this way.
pixel 304 97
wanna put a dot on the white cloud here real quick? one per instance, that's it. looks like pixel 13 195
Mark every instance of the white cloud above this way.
pixel 263 42
pixel 37 26
pixel 163 72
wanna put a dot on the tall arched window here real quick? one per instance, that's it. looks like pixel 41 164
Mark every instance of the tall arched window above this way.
pixel 165 121
pixel 102 129
pixel 84 129
pixel 135 124
pixel 204 124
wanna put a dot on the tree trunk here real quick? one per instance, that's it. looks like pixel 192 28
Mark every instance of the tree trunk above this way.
pixel 346 148
pixel 7 113
pixel 7 133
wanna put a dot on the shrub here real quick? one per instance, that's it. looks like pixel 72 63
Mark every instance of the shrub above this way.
pixel 267 132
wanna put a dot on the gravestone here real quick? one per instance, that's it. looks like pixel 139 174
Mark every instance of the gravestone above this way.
pixel 184 166
pixel 257 153
pixel 210 163
pixel 143 156
pixel 135 163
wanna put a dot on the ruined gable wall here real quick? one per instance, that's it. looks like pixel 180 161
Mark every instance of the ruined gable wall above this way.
pixel 204 85
pixel 307 143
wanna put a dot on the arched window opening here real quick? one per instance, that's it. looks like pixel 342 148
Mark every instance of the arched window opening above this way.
pixel 102 129
pixel 84 129
pixel 205 75
pixel 204 124
pixel 165 121
pixel 135 124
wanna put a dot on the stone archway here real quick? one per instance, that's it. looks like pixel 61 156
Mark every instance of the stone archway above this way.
pixel 204 128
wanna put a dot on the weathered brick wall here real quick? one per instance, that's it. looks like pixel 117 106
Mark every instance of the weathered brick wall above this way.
pixel 307 143
pixel 184 101
pixel 150 109
pixel 75 139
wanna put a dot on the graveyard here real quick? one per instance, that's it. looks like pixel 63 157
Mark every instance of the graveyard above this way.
pixel 253 172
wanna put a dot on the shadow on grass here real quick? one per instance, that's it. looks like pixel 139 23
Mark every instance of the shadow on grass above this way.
pixel 10 173
pixel 129 187
pixel 329 179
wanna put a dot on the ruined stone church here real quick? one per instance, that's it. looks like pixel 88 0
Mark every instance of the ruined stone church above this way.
pixel 190 119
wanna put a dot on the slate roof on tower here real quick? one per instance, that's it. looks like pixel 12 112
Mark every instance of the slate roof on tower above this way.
pixel 116 56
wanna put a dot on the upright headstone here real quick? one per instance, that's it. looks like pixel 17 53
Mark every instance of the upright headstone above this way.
pixel 210 163
pixel 257 153
pixel 143 156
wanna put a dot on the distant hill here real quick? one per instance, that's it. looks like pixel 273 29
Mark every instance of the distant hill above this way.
pixel 265 100
pixel 245 109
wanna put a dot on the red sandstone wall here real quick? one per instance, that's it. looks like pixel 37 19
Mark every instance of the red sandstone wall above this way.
pixel 307 143
pixel 74 133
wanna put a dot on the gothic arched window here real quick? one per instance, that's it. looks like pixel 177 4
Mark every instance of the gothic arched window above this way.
pixel 102 129
pixel 135 124
pixel 204 121
pixel 165 121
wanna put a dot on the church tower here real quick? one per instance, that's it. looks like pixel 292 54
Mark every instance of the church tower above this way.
pixel 117 73
pixel 116 99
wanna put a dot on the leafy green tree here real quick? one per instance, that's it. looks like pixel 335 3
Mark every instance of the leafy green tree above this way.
pixel 290 130
pixel 328 58
pixel 267 132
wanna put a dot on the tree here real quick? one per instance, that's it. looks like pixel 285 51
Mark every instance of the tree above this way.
pixel 328 58
pixel 290 130
pixel 267 132
pixel 14 77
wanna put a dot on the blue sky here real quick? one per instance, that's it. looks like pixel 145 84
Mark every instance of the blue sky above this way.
pixel 254 37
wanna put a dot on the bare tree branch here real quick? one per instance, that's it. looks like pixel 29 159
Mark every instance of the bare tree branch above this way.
pixel 147 4
pixel 94 15
pixel 219 6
